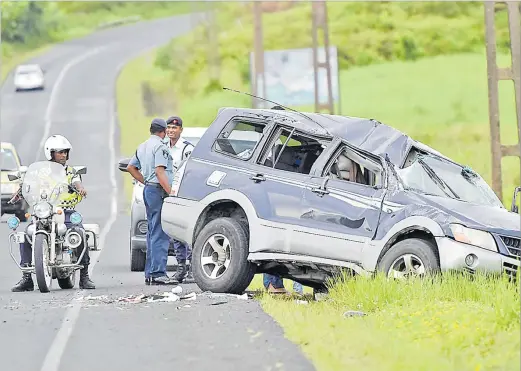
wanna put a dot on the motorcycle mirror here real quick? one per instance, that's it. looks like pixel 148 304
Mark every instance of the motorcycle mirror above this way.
pixel 122 165
pixel 81 170
pixel 14 176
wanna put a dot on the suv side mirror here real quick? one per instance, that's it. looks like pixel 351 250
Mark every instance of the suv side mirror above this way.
pixel 23 169
pixel 514 208
pixel 122 165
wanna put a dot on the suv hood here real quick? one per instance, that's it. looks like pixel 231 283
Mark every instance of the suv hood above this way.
pixel 488 218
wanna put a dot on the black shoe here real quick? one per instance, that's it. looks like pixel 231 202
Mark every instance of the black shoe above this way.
pixel 25 284
pixel 180 274
pixel 85 282
pixel 163 280
pixel 147 281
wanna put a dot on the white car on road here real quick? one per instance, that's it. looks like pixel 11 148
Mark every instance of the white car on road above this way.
pixel 138 220
pixel 29 77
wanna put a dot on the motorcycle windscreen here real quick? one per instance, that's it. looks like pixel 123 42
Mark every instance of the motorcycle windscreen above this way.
pixel 44 181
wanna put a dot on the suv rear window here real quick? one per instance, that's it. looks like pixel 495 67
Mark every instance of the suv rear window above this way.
pixel 239 138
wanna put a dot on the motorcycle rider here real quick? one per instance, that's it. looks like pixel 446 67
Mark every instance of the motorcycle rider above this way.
pixel 57 149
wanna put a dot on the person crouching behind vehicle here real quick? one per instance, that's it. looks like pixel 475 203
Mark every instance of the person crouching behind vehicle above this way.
pixel 180 150
pixel 57 149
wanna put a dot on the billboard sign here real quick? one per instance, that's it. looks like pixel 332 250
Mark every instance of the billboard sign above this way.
pixel 289 77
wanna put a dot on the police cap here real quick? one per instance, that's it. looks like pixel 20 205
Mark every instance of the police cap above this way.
pixel 174 120
pixel 158 122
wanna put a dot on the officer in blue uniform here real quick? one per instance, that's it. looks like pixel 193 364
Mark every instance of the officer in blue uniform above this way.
pixel 151 165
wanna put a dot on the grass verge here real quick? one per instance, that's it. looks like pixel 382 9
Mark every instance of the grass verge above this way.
pixel 454 324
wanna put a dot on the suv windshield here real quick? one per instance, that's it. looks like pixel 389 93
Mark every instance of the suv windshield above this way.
pixel 436 176
pixel 8 160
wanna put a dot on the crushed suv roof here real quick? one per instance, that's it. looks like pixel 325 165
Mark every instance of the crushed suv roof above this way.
pixel 367 134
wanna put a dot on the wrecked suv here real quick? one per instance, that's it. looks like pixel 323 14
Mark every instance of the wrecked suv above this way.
pixel 306 195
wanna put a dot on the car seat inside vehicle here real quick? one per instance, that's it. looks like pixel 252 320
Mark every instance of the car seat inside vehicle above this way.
pixel 346 169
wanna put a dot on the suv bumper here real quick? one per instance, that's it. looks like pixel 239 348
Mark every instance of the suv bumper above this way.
pixel 453 255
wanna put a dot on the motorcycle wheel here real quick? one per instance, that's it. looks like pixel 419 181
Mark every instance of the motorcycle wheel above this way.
pixel 43 278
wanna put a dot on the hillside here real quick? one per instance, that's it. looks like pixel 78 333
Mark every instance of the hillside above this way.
pixel 364 33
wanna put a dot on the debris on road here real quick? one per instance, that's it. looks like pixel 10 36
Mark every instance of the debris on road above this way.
pixel 168 296
pixel 190 296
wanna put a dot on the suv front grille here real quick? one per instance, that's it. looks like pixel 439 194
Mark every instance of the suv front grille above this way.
pixel 514 246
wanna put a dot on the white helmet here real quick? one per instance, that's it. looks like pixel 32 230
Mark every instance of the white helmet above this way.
pixel 56 143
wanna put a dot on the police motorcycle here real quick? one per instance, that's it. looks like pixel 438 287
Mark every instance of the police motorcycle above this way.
pixel 55 248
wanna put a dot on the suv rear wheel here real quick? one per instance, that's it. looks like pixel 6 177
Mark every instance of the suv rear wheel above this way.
pixel 219 260
pixel 410 257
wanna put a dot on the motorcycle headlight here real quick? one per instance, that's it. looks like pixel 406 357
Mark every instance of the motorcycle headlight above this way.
pixel 42 209
pixel 474 237
pixel 76 218
pixel 13 222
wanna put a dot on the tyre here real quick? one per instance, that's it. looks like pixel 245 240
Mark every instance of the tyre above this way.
pixel 219 257
pixel 43 276
pixel 137 260
pixel 67 283
pixel 410 257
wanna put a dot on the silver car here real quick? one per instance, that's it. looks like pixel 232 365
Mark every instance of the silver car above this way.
pixel 138 219
pixel 29 77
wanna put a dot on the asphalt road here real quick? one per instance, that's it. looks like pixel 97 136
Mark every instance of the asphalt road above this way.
pixel 58 330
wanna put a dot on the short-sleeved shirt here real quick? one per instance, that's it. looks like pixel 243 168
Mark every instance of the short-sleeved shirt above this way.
pixel 179 151
pixel 150 154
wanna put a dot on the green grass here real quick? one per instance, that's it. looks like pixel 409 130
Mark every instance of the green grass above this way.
pixel 454 324
pixel 363 32
pixel 441 101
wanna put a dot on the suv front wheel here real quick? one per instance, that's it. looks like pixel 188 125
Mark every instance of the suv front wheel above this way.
pixel 220 257
pixel 410 257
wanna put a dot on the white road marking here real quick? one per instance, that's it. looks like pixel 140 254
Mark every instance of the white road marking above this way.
pixel 54 91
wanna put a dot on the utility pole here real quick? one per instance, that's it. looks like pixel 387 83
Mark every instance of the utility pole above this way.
pixel 258 83
pixel 495 74
pixel 319 23
pixel 212 40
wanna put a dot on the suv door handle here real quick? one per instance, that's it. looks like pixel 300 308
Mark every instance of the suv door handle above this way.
pixel 320 191
pixel 258 178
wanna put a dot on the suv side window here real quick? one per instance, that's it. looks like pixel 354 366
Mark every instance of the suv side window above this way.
pixel 350 166
pixel 239 138
pixel 291 151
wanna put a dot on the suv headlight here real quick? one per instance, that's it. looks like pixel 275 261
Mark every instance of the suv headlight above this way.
pixel 474 237
pixel 42 209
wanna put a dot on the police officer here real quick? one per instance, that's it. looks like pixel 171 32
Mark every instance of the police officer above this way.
pixel 180 150
pixel 56 149
pixel 153 158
